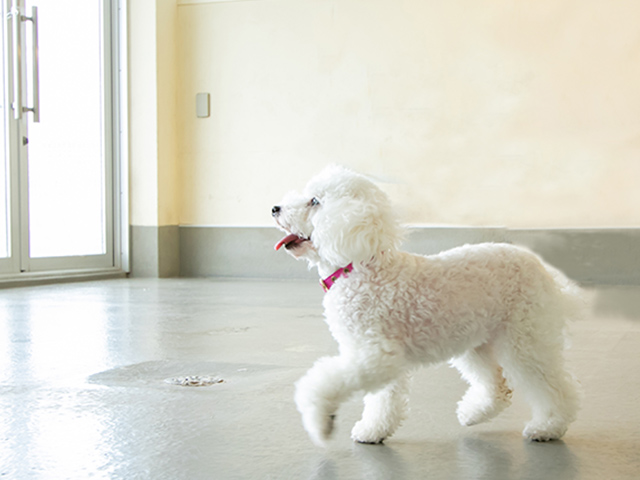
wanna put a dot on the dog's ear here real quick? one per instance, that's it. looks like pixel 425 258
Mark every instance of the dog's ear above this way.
pixel 350 230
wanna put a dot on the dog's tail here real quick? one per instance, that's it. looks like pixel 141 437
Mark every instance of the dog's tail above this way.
pixel 574 301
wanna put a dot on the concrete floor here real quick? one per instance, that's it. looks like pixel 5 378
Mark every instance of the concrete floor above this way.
pixel 82 391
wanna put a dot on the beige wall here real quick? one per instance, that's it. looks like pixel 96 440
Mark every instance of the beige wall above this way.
pixel 155 173
pixel 524 114
pixel 167 59
pixel 143 112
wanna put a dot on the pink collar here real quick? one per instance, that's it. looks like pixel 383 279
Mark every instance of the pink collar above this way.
pixel 328 282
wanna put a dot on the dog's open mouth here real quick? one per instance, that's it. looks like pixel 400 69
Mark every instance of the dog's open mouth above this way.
pixel 291 241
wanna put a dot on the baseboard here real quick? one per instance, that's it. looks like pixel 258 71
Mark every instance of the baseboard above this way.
pixel 589 256
pixel 592 257
pixel 155 251
pixel 245 252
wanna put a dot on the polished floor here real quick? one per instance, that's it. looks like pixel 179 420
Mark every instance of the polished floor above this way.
pixel 83 392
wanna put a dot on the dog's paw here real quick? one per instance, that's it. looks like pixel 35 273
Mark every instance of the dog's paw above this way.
pixel 477 408
pixel 318 412
pixel 545 432
pixel 319 427
pixel 473 414
pixel 369 434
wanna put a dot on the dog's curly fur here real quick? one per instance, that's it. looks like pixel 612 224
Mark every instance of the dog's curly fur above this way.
pixel 495 311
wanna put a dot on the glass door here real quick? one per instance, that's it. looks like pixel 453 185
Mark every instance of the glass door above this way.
pixel 9 198
pixel 58 143
pixel 5 230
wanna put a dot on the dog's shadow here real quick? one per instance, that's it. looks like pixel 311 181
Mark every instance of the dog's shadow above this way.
pixel 478 457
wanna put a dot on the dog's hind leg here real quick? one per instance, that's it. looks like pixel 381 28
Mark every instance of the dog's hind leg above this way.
pixel 384 411
pixel 488 393
pixel 536 367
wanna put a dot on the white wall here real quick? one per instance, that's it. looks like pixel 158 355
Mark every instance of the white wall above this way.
pixel 524 114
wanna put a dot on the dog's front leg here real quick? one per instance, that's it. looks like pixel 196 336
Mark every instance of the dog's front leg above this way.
pixel 384 411
pixel 318 394
pixel 331 381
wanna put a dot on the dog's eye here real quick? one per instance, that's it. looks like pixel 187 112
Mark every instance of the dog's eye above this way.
pixel 314 202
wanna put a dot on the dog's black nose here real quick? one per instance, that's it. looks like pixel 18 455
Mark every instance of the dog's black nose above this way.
pixel 275 211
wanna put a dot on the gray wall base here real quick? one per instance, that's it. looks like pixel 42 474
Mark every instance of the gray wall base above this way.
pixel 155 251
pixel 589 256
pixel 237 252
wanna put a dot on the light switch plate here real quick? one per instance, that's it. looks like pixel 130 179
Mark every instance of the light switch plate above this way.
pixel 202 105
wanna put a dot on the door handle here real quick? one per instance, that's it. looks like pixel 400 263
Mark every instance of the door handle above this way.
pixel 18 18
pixel 35 65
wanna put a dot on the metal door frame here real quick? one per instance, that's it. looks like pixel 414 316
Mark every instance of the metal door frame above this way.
pixel 19 266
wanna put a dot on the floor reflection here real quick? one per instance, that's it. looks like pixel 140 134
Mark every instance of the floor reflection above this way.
pixel 495 457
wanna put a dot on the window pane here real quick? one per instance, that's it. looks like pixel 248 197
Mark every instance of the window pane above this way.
pixel 66 159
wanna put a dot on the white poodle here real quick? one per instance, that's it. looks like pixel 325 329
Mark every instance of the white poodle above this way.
pixel 496 311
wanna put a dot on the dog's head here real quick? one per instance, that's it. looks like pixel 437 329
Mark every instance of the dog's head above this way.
pixel 341 217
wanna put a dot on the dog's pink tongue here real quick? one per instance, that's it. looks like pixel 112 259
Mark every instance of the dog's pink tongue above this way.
pixel 288 239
